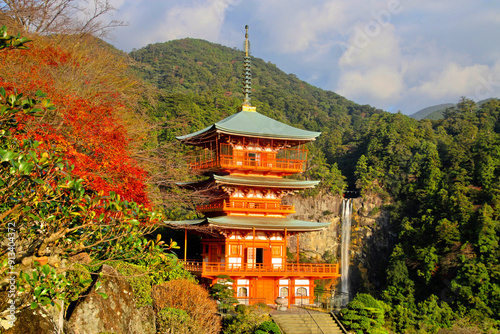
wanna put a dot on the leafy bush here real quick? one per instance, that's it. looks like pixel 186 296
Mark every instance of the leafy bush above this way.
pixel 223 292
pixel 433 316
pixel 190 297
pixel 268 327
pixel 153 269
pixel 364 314
pixel 240 308
pixel 247 320
pixel 173 320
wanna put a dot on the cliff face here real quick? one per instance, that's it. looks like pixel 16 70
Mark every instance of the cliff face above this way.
pixel 371 236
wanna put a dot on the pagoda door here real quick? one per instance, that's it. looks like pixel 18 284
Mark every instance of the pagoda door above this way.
pixel 259 257
pixel 213 254
pixel 264 159
pixel 264 291
pixel 268 257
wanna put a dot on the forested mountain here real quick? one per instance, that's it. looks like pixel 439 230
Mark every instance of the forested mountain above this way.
pixel 440 179
pixel 437 112
pixel 426 112
pixel 200 83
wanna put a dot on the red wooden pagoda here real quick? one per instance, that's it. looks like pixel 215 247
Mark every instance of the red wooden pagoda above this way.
pixel 246 156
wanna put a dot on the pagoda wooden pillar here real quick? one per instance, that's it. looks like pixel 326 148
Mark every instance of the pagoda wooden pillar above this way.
pixel 298 251
pixel 285 252
pixel 185 243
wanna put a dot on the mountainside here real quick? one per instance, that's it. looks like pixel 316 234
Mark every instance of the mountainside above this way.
pixel 424 113
pixel 200 83
pixel 197 66
pixel 437 112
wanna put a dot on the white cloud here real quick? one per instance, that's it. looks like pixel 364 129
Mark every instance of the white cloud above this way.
pixel 160 21
pixel 371 67
pixel 411 65
pixel 198 19
pixel 381 84
pixel 476 81
pixel 294 26
pixel 364 50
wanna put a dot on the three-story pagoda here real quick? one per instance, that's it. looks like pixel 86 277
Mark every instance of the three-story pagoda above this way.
pixel 246 156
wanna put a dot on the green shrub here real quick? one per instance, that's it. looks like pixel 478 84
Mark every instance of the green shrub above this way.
pixel 262 306
pixel 173 320
pixel 364 314
pixel 241 308
pixel 247 321
pixel 223 292
pixel 154 269
pixel 80 279
pixel 433 316
pixel 268 327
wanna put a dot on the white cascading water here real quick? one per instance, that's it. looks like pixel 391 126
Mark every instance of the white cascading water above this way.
pixel 344 249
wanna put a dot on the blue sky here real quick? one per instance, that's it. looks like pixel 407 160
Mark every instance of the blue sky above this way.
pixel 392 54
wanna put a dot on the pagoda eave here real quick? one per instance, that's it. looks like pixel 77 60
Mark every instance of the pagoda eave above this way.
pixel 251 124
pixel 264 181
pixel 224 223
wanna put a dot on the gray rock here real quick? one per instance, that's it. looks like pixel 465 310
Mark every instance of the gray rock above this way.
pixel 116 314
pixel 33 321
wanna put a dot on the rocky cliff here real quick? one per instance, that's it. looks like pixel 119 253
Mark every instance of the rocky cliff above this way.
pixel 371 236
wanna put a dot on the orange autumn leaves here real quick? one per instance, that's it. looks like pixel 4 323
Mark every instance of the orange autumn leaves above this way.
pixel 93 110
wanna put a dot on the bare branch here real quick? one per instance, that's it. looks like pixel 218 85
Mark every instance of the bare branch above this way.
pixel 61 16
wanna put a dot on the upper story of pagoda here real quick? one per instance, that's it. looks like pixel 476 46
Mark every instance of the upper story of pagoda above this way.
pixel 250 143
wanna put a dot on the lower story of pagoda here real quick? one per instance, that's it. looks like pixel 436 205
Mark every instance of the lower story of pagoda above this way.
pixel 260 283
pixel 253 252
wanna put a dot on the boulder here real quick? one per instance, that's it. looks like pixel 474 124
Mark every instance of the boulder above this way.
pixel 115 314
pixel 33 321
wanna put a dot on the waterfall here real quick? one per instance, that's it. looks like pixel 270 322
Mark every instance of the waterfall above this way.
pixel 344 252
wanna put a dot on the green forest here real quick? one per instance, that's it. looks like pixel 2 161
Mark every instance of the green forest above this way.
pixel 68 120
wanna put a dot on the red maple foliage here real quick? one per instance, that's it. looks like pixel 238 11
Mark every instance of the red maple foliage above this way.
pixel 88 123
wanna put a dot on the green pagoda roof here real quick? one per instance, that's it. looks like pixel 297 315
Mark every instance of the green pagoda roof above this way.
pixel 274 182
pixel 248 223
pixel 252 181
pixel 266 223
pixel 253 124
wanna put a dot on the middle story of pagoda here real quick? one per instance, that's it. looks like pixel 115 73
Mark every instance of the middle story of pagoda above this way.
pixel 246 228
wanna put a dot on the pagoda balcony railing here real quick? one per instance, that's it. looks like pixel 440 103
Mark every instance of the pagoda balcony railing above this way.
pixel 247 206
pixel 290 160
pixel 288 269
